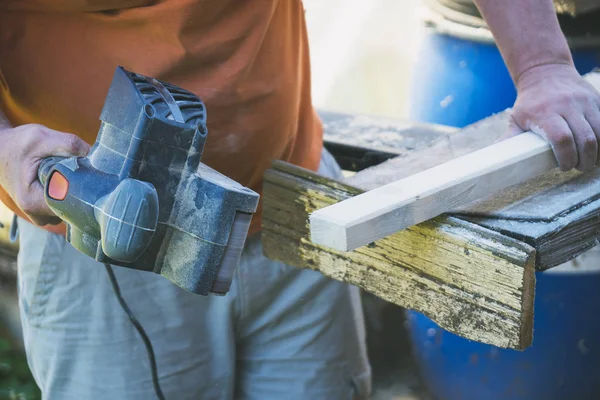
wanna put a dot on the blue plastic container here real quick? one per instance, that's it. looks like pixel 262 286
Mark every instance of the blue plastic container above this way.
pixel 460 79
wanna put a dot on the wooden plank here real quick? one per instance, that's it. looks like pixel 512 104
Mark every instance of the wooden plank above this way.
pixel 556 241
pixel 361 141
pixel 556 213
pixel 470 280
pixel 398 205
pixel 563 200
pixel 442 149
pixel 464 142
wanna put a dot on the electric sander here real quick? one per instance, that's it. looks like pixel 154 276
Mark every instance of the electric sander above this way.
pixel 142 199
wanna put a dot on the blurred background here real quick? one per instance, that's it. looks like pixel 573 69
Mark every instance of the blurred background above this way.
pixel 364 55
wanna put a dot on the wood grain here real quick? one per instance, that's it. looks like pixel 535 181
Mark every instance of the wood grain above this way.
pixel 557 213
pixel 471 281
pixel 440 149
pixel 417 198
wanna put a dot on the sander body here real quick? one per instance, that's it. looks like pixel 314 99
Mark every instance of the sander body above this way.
pixel 142 199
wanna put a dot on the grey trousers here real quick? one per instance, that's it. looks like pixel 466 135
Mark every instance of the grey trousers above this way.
pixel 280 333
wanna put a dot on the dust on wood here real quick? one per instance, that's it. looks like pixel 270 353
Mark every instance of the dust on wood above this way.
pixel 470 280
pixel 440 150
pixel 378 133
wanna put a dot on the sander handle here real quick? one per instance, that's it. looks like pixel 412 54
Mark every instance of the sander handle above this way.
pixel 46 166
pixel 123 212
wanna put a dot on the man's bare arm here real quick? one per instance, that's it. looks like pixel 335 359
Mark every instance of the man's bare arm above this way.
pixel 22 149
pixel 553 99
pixel 526 32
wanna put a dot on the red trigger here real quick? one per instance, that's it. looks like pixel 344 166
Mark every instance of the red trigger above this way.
pixel 58 186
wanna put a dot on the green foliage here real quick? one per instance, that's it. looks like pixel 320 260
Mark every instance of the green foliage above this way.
pixel 16 381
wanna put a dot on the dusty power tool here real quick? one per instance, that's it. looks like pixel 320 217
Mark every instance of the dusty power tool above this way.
pixel 142 199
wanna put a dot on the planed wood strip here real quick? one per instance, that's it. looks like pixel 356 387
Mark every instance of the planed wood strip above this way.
pixel 396 206
pixel 433 181
pixel 470 280
pixel 442 149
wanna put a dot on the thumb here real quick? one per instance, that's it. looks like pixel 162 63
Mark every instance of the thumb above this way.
pixel 63 145
pixel 512 130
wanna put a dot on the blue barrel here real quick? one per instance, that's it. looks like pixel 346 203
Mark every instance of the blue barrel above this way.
pixel 459 79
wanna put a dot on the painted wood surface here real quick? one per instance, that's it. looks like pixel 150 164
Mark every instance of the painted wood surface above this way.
pixel 555 235
pixel 470 280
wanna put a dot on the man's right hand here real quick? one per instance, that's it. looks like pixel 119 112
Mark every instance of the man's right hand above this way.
pixel 21 151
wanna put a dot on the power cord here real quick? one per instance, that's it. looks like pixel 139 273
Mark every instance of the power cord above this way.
pixel 140 329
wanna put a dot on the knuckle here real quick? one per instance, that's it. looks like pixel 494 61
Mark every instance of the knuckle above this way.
pixel 564 99
pixel 72 142
pixel 590 99
pixel 75 144
pixel 30 135
pixel 40 130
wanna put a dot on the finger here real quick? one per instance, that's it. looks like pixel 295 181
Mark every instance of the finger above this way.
pixel 556 130
pixel 585 141
pixel 33 204
pixel 593 118
pixel 43 221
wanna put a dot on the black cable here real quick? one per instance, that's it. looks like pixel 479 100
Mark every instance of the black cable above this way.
pixel 140 329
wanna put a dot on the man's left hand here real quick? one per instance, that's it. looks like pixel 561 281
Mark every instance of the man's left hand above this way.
pixel 555 102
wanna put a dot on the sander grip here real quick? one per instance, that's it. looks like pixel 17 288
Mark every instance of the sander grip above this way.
pixel 46 166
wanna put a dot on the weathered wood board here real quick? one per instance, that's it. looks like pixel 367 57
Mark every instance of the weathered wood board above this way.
pixel 361 141
pixel 556 213
pixel 437 268
pixel 556 217
pixel 398 205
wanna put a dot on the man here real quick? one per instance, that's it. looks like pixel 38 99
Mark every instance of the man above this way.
pixel 281 333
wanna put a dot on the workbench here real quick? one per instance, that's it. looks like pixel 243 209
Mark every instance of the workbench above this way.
pixel 472 270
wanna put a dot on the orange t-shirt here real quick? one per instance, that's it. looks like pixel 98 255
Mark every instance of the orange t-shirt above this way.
pixel 247 60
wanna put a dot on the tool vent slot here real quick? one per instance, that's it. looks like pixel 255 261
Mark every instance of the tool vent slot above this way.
pixel 191 107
